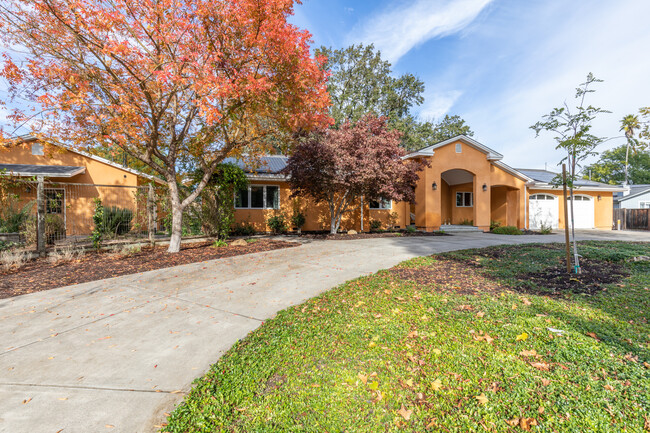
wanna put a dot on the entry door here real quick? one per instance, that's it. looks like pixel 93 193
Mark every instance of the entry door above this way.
pixel 543 210
pixel 583 208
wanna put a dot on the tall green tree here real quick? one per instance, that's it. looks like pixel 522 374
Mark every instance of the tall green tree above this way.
pixel 572 130
pixel 610 167
pixel 361 83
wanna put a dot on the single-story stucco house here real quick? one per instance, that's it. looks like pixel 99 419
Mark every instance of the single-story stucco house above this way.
pixel 73 179
pixel 466 183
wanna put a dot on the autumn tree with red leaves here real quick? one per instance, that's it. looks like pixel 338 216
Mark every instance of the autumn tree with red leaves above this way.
pixel 166 81
pixel 364 159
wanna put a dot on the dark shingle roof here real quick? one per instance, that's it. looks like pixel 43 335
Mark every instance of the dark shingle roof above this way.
pixel 634 190
pixel 42 170
pixel 271 164
pixel 548 176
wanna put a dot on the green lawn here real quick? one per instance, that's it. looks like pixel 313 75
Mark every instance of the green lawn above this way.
pixel 463 341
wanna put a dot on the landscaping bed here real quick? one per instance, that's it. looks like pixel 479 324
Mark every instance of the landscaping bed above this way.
pixel 40 274
pixel 462 341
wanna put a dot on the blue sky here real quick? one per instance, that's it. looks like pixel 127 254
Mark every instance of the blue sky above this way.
pixel 502 64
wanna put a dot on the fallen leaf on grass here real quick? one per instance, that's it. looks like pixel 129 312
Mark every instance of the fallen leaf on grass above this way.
pixel 482 399
pixel 480 314
pixel 436 385
pixel 465 307
pixel 541 366
pixel 526 301
pixel 528 353
pixel 363 378
pixel 593 335
pixel 406 414
pixel 412 334
pixel 522 337
pixel 409 383
pixel 646 365
pixel 609 388
pixel 546 382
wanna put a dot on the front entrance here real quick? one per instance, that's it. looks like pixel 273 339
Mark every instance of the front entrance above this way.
pixel 457 198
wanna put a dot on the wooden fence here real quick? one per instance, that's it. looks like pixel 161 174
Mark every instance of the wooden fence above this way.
pixel 632 219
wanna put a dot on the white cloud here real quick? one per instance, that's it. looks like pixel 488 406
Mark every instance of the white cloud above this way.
pixel 542 73
pixel 436 105
pixel 399 28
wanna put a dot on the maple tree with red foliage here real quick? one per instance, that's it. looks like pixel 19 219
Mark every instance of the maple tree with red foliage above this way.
pixel 362 159
pixel 169 82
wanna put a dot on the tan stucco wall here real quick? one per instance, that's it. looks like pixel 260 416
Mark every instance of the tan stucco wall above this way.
pixel 317 216
pixel 603 207
pixel 79 199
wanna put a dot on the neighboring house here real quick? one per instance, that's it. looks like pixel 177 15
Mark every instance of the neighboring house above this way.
pixel 466 182
pixel 73 179
pixel 634 197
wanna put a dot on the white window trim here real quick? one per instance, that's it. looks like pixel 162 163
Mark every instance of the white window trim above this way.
pixel 534 196
pixel 263 198
pixel 471 195
pixel 390 207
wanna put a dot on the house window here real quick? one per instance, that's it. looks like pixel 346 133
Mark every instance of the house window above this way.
pixel 380 204
pixel 37 149
pixel 459 147
pixel 54 201
pixel 258 197
pixel 644 204
pixel 464 199
pixel 542 197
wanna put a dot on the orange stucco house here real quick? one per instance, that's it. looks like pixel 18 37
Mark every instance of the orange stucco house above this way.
pixel 466 183
pixel 73 179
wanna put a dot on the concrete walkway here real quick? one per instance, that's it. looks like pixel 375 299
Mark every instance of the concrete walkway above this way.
pixel 116 355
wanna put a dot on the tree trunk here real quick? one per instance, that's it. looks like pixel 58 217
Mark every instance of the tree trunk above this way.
pixel 576 259
pixel 177 218
pixel 334 225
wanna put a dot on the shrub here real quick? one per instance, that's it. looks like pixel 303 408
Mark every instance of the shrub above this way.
pixel 467 222
pixel 411 229
pixel 393 217
pixel 11 258
pixel 127 250
pixel 243 229
pixel 507 230
pixel 375 225
pixel 65 254
pixel 494 225
pixel 220 243
pixel 298 220
pixel 276 224
pixel 98 219
pixel 12 215
pixel 117 220
pixel 545 229
pixel 54 229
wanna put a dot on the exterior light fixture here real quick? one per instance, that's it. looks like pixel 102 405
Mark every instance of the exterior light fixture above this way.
pixel 434 186
pixel 484 187
pixel 599 198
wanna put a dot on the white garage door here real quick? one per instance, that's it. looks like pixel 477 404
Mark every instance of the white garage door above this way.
pixel 543 210
pixel 583 209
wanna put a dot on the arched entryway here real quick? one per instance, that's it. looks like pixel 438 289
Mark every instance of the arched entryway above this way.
pixel 457 197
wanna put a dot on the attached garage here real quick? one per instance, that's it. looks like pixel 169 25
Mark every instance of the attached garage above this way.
pixel 544 211
pixel 583 211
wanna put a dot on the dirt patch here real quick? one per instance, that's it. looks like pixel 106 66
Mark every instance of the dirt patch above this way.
pixel 347 237
pixel 39 274
pixel 595 274
pixel 449 276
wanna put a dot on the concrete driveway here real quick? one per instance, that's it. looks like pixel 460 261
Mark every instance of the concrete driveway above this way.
pixel 117 354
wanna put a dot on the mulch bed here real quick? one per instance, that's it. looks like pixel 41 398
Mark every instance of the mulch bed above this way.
pixel 39 274
pixel 595 273
pixel 347 237
pixel 449 276
pixel 468 277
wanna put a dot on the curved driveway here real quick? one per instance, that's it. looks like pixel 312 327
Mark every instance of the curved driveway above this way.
pixel 117 354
